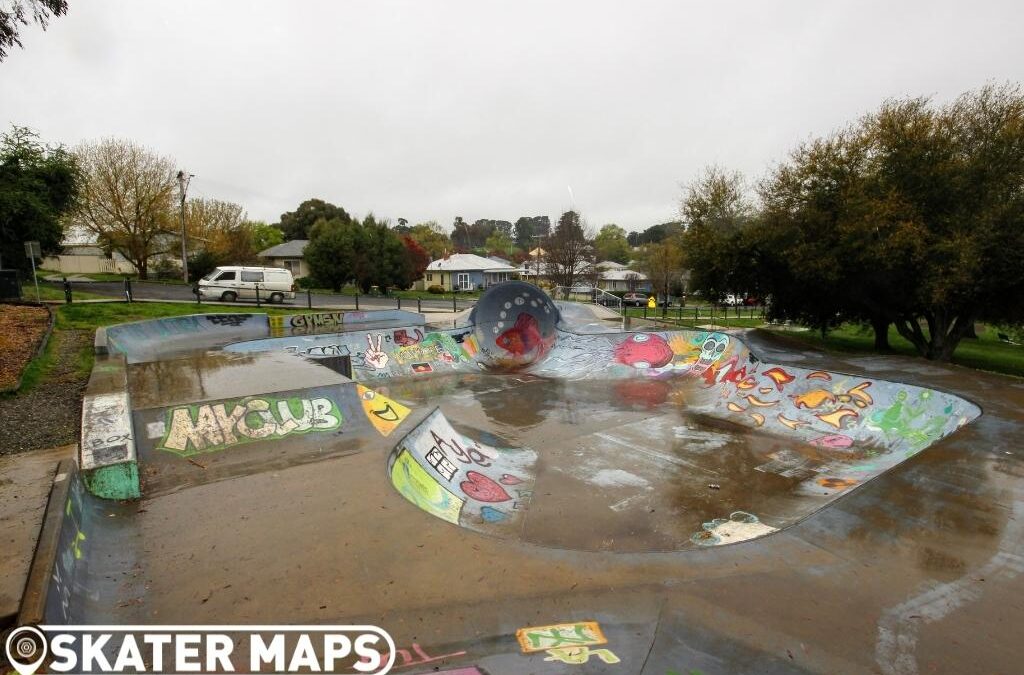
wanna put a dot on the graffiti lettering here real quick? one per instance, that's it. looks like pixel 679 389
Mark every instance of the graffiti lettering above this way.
pixel 441 464
pixel 541 638
pixel 578 655
pixel 471 456
pixel 215 426
pixel 227 319
pixel 415 656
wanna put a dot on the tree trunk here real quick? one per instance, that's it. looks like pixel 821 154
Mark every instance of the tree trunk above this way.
pixel 142 267
pixel 910 329
pixel 881 327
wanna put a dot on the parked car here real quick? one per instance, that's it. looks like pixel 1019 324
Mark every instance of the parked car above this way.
pixel 732 300
pixel 232 283
pixel 634 299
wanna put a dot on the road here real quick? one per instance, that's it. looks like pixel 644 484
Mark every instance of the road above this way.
pixel 156 291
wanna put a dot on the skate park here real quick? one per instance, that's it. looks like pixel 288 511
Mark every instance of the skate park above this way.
pixel 657 500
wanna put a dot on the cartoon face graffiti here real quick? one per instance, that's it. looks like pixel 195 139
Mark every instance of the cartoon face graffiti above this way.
pixel 711 350
pixel 644 350
pixel 384 414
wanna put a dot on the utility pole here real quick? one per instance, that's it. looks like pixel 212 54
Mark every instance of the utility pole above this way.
pixel 183 181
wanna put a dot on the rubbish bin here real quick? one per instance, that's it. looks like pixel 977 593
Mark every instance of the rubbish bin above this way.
pixel 10 285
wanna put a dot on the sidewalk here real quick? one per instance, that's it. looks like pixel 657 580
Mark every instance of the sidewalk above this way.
pixel 25 480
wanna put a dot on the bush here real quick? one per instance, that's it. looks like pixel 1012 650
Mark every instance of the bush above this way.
pixel 307 282
pixel 201 264
pixel 435 289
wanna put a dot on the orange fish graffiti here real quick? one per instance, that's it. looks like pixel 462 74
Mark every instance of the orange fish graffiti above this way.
pixel 813 399
pixel 779 377
pixel 838 418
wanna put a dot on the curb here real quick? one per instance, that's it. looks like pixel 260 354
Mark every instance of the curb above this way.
pixel 33 600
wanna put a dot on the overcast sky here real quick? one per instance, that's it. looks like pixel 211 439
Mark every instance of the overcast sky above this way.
pixel 430 110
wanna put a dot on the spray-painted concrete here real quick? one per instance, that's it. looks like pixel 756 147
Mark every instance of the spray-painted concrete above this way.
pixel 632 465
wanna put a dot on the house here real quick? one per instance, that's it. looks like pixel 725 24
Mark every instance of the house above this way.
pixel 289 256
pixel 607 265
pixel 624 280
pixel 83 257
pixel 465 272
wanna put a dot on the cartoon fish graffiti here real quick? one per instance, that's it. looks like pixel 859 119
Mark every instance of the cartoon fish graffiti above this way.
pixel 838 418
pixel 523 337
pixel 644 350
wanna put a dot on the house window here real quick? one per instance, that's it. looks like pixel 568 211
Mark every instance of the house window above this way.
pixel 292 266
pixel 430 277
pixel 463 280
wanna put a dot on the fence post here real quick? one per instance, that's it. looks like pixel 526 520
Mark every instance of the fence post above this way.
pixel 645 311
pixel 309 299
pixel 128 289
pixel 454 308
pixel 399 302
pixel 419 305
pixel 357 300
pixel 257 295
pixel 67 291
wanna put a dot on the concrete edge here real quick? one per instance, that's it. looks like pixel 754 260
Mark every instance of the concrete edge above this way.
pixel 100 345
pixel 107 454
pixel 33 599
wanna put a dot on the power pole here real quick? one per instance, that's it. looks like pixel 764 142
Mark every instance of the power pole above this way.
pixel 183 181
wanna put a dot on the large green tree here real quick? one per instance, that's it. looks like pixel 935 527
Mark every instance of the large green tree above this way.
pixel 610 244
pixel 333 251
pixel 432 237
pixel 298 224
pixel 913 217
pixel 38 187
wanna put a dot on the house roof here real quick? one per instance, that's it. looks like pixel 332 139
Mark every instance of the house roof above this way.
pixel 610 265
pixel 463 262
pixel 623 275
pixel 289 249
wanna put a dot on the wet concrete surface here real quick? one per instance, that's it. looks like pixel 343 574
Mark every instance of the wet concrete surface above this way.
pixel 919 570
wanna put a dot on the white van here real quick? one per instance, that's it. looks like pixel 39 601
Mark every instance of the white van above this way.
pixel 240 283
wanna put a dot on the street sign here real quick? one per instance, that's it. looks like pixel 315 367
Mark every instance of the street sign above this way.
pixel 32 250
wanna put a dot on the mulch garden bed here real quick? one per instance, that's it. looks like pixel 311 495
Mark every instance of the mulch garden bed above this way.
pixel 22 329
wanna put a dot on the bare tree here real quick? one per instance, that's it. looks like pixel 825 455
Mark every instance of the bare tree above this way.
pixel 569 250
pixel 663 264
pixel 221 228
pixel 127 199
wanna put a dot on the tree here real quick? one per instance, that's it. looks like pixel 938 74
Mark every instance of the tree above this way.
pixel 298 224
pixel 264 236
pixel 432 237
pixel 333 250
pixel 715 211
pixel 499 243
pixel 654 233
pixel 418 260
pixel 914 216
pixel 220 228
pixel 38 187
pixel 611 244
pixel 127 199
pixel 663 264
pixel 528 227
pixel 570 253
pixel 16 14
pixel 383 258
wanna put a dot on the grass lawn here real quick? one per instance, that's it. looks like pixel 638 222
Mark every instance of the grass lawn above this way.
pixel 51 292
pixel 985 353
pixel 90 316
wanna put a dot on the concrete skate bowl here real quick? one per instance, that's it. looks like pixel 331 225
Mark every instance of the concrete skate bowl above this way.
pixel 511 425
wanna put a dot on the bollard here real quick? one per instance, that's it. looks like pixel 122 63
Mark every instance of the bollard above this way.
pixel 67 291
pixel 309 299
pixel 257 295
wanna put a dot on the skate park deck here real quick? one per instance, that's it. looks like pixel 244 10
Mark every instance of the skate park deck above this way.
pixel 627 485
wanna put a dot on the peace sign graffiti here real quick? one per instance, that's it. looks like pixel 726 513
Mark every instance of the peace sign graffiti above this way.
pixel 374 355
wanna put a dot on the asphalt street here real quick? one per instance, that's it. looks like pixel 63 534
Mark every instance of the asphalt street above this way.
pixel 157 291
